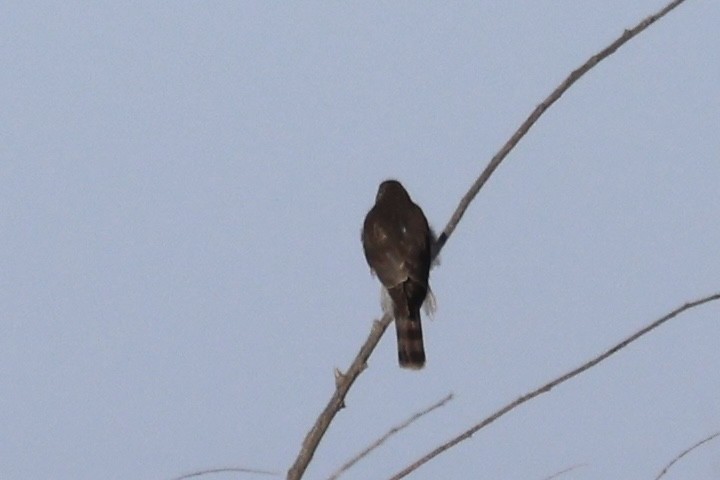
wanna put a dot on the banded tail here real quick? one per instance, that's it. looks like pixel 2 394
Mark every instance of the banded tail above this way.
pixel 411 350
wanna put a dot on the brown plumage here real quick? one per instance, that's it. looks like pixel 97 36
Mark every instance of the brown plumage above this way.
pixel 397 241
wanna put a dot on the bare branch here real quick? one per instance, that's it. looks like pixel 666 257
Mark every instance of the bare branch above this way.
pixel 535 115
pixel 200 473
pixel 345 381
pixel 389 434
pixel 550 385
pixel 685 452
pixel 564 471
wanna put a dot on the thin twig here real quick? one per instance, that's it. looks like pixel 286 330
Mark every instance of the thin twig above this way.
pixel 345 381
pixel 200 473
pixel 685 452
pixel 389 434
pixel 535 115
pixel 550 385
pixel 565 470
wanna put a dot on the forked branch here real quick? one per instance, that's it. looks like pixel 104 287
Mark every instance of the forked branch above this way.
pixel 345 381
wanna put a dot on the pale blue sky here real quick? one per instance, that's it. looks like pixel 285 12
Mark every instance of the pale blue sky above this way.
pixel 182 186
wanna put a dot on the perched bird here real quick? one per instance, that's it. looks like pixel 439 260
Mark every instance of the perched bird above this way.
pixel 397 241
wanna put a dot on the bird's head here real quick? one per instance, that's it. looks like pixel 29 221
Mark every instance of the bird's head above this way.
pixel 391 189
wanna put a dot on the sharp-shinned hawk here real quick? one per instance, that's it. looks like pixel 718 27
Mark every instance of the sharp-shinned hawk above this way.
pixel 397 241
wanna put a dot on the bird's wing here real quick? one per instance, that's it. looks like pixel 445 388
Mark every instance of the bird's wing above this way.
pixel 384 249
pixel 416 244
